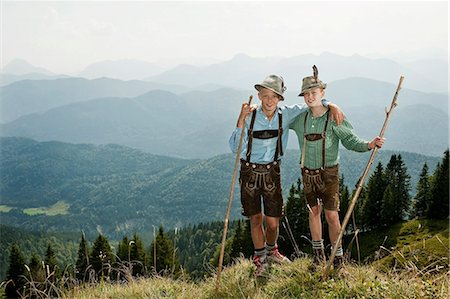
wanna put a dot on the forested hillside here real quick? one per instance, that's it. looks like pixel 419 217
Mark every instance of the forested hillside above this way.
pixel 64 244
pixel 117 190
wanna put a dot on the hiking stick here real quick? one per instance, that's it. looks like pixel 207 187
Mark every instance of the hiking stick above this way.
pixel 361 182
pixel 233 182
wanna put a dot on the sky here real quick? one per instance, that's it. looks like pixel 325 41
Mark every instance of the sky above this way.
pixel 65 37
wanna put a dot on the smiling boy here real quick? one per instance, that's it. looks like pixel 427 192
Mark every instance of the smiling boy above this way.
pixel 318 138
pixel 265 138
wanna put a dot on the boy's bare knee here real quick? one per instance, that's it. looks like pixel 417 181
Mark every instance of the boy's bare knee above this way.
pixel 256 220
pixel 332 217
pixel 315 211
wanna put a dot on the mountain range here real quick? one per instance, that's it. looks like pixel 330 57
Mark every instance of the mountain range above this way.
pixel 429 75
pixel 197 124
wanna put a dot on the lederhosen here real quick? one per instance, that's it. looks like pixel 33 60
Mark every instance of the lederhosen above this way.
pixel 322 183
pixel 262 180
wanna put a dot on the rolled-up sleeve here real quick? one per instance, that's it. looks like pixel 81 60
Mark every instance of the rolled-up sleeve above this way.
pixel 234 140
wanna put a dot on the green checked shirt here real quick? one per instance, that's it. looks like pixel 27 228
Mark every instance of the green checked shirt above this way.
pixel 313 150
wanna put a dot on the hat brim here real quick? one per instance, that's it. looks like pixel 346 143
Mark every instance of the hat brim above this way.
pixel 323 86
pixel 259 86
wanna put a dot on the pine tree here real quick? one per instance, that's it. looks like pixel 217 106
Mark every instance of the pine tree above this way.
pixel 439 208
pixel 247 242
pixel 388 209
pixel 16 273
pixel 101 257
pixel 373 200
pixel 398 180
pixel 123 251
pixel 37 272
pixel 50 263
pixel 344 198
pixel 214 261
pixel 238 241
pixel 166 259
pixel 423 195
pixel 403 189
pixel 82 262
pixel 242 243
pixel 138 256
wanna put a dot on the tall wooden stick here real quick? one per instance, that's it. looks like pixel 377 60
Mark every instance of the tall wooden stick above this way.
pixel 233 182
pixel 361 182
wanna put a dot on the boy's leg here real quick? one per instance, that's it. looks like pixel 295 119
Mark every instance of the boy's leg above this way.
pixel 257 231
pixel 272 229
pixel 259 254
pixel 331 204
pixel 315 223
pixel 273 209
pixel 334 227
pixel 315 226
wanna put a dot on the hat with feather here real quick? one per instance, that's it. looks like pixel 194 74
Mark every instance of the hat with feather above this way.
pixel 311 82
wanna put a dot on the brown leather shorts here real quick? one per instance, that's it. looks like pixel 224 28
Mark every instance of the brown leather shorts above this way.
pixel 261 181
pixel 322 185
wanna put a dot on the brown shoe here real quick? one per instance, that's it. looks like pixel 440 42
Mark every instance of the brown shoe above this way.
pixel 338 261
pixel 319 256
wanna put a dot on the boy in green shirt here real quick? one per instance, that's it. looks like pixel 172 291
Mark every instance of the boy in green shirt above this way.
pixel 318 138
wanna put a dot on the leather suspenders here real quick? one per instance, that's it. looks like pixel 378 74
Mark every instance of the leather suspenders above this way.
pixel 313 137
pixel 250 134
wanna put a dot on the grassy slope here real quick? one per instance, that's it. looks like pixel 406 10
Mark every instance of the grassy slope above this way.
pixel 297 280
pixel 423 242
pixel 414 264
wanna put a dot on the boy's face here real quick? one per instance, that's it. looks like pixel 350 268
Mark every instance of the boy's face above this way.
pixel 269 100
pixel 313 97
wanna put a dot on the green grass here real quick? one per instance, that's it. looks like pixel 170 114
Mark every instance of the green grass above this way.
pixel 59 208
pixel 301 279
pixel 5 209
pixel 421 244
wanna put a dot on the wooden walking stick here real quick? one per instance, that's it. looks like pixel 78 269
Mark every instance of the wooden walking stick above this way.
pixel 233 182
pixel 361 182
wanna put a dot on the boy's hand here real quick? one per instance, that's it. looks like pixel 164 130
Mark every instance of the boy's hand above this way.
pixel 376 142
pixel 245 111
pixel 336 113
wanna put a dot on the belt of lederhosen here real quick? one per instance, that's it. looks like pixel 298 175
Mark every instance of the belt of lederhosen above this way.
pixel 318 170
pixel 260 167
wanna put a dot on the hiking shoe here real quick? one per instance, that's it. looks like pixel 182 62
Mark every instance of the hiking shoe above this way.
pixel 319 256
pixel 338 261
pixel 274 256
pixel 261 264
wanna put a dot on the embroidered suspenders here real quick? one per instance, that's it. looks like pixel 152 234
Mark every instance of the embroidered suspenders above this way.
pixel 314 137
pixel 265 134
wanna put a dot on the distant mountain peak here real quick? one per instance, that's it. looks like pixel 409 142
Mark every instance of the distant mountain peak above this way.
pixel 241 56
pixel 124 69
pixel 20 66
